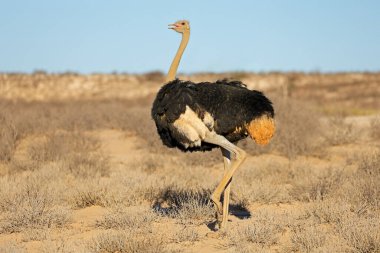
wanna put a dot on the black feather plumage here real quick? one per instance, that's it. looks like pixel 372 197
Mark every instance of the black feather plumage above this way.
pixel 230 104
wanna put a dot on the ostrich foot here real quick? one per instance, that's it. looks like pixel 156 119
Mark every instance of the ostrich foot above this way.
pixel 219 221
pixel 217 203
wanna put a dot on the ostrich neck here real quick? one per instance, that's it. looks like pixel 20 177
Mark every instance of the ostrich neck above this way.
pixel 173 68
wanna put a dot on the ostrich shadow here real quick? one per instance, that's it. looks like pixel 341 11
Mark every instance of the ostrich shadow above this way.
pixel 175 202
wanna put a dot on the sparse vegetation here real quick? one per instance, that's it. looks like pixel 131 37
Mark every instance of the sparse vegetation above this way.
pixel 8 138
pixel 187 234
pixel 124 219
pixel 184 204
pixel 298 128
pixel 125 242
pixel 375 128
pixel 339 131
pixel 308 239
pixel 29 206
pixel 83 170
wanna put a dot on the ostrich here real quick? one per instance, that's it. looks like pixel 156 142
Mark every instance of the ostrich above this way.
pixel 202 116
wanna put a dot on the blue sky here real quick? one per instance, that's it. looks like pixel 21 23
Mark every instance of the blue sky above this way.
pixel 89 36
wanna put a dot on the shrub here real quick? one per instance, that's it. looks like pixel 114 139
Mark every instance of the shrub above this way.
pixel 8 138
pixel 120 218
pixel 362 234
pixel 338 131
pixel 126 242
pixel 31 206
pixel 375 128
pixel 297 128
pixel 308 239
pixel 187 205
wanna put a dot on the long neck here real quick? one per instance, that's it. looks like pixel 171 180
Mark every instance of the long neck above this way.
pixel 173 68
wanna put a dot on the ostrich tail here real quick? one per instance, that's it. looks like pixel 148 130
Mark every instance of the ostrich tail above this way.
pixel 261 129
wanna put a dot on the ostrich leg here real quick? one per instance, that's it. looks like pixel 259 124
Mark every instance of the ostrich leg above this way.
pixel 226 197
pixel 239 158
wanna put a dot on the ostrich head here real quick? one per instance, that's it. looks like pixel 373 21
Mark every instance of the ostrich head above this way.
pixel 181 26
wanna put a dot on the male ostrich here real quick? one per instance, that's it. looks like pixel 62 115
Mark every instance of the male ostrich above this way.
pixel 202 116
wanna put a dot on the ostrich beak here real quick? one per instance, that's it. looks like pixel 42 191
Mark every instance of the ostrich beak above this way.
pixel 172 26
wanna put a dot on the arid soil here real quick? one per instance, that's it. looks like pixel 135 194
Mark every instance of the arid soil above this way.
pixel 82 168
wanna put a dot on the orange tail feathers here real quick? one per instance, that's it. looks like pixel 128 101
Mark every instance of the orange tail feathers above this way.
pixel 261 129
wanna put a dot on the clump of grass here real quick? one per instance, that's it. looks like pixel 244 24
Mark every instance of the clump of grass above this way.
pixel 369 172
pixel 109 242
pixel 31 207
pixel 187 205
pixel 77 153
pixel 91 192
pixel 56 145
pixel 315 185
pixel 361 234
pixel 369 163
pixel 32 234
pixel 8 138
pixel 375 126
pixel 262 191
pixel 254 232
pixel 187 234
pixel 264 183
pixel 338 131
pixel 308 239
pixel 330 210
pixel 297 128
pixel 362 189
pixel 126 242
pixel 87 165
pixel 120 218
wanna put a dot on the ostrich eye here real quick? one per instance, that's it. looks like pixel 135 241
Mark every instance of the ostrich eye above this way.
pixel 183 23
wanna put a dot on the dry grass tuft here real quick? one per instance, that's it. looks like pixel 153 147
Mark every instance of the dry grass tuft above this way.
pixel 297 128
pixel 369 163
pixel 265 183
pixel 87 165
pixel 77 152
pixel 187 234
pixel 362 234
pixel 30 206
pixel 262 191
pixel 315 185
pixel 109 242
pixel 89 193
pixel 362 189
pixel 375 128
pixel 339 131
pixel 120 218
pixel 254 233
pixel 192 205
pixel 57 145
pixel 330 210
pixel 8 138
pixel 126 242
pixel 308 239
